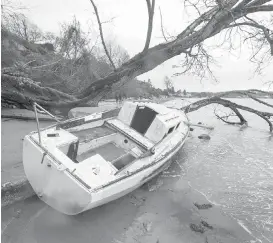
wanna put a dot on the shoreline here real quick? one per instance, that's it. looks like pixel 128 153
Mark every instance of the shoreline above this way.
pixel 239 222
pixel 175 218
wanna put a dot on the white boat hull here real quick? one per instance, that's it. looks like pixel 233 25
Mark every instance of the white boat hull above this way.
pixel 59 186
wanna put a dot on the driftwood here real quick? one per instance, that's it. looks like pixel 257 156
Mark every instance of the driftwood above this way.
pixel 198 125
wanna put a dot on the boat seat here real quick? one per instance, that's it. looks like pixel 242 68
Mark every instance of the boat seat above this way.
pixel 133 135
pixel 95 170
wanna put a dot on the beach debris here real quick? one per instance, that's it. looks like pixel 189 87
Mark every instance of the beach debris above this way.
pixel 204 136
pixel 154 185
pixel 18 213
pixel 206 224
pixel 203 206
pixel 190 124
pixel 137 201
pixel 197 228
pixel 200 123
pixel 147 226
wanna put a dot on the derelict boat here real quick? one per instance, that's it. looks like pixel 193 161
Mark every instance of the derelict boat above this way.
pixel 85 162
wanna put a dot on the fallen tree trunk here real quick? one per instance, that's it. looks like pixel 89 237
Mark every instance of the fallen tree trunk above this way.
pixel 217 99
pixel 19 90
pixel 217 18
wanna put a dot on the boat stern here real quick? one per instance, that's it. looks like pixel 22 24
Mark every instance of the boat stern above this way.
pixel 53 184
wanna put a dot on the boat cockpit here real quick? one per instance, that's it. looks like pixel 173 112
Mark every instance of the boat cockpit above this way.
pixel 111 143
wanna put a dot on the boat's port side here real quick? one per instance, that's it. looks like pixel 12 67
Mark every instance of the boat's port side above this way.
pixel 87 121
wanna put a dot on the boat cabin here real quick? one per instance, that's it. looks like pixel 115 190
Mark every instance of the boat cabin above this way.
pixel 153 121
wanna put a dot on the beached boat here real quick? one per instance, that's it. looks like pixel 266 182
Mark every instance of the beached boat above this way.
pixel 84 162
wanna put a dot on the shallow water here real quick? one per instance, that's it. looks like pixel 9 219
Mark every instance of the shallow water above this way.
pixel 233 170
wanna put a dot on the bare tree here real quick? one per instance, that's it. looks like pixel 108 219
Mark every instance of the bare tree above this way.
pixel 117 53
pixel 18 24
pixel 168 84
pixel 72 40
pixel 214 17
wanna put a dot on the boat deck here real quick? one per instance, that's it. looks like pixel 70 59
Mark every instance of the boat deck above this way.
pixel 93 133
pixel 109 152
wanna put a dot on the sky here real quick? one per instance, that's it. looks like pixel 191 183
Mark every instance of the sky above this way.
pixel 129 27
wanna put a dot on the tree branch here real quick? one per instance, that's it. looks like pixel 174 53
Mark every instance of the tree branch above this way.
pixel 254 24
pixel 150 9
pixel 242 119
pixel 256 2
pixel 238 114
pixel 101 35
pixel 161 24
pixel 210 23
pixel 233 106
pixel 264 8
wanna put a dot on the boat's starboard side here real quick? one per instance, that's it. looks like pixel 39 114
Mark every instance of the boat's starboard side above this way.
pixel 128 182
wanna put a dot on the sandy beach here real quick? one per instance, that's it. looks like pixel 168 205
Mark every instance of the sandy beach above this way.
pixel 163 210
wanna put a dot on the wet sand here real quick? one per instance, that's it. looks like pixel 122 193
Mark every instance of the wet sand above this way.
pixel 12 135
pixel 160 211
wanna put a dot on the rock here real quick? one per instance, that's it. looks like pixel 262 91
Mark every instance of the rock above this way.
pixel 191 129
pixel 204 136
pixel 203 206
pixel 197 228
pixel 200 123
pixel 18 213
pixel 206 224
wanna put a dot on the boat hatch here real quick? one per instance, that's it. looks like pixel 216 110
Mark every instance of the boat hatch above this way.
pixel 142 119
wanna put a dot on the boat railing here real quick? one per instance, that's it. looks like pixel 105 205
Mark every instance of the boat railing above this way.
pixel 37 108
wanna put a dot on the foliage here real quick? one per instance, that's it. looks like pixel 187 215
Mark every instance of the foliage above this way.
pixel 66 62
